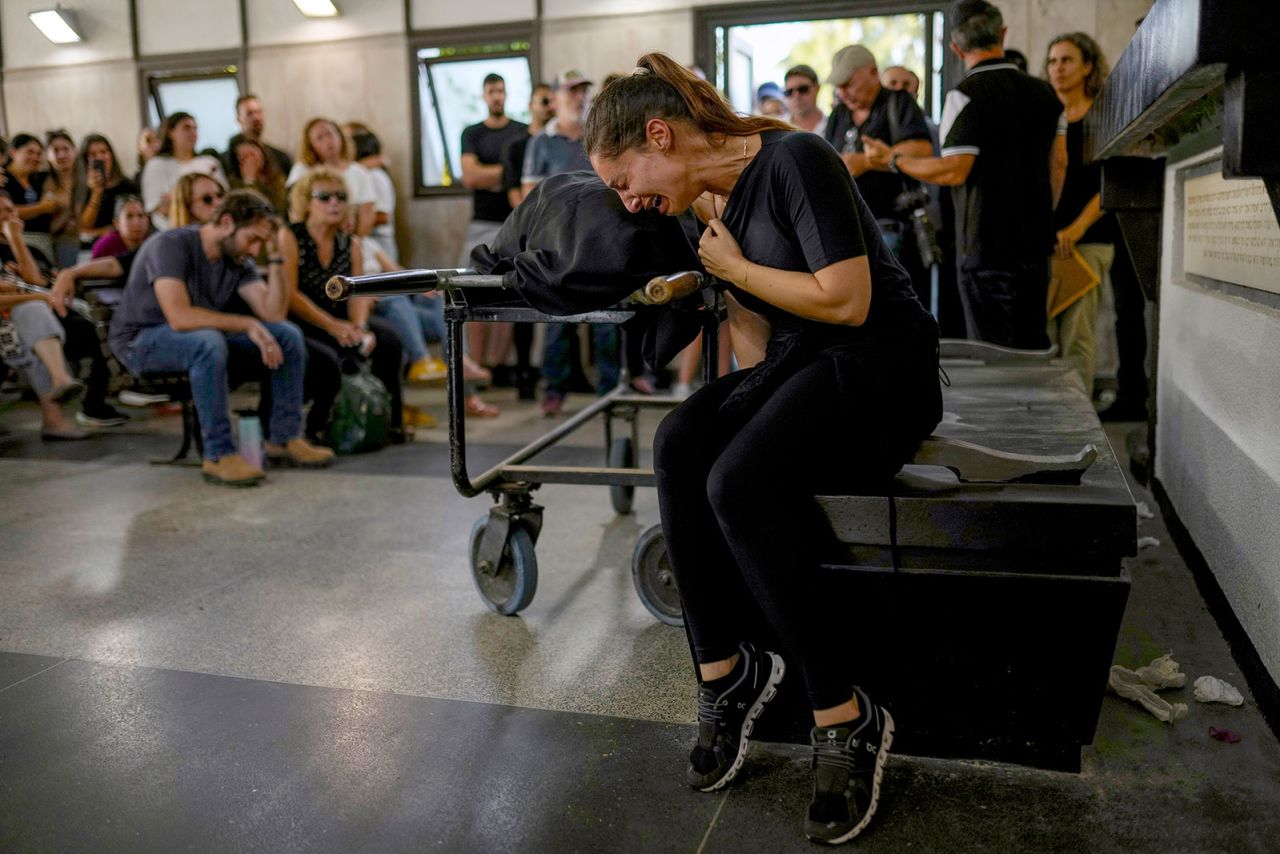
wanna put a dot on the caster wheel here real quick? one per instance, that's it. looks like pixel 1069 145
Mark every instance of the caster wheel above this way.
pixel 510 588
pixel 654 580
pixel 622 455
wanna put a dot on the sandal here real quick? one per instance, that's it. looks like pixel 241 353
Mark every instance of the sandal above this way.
pixel 477 407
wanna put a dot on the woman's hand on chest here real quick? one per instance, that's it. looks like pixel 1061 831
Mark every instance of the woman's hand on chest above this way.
pixel 721 254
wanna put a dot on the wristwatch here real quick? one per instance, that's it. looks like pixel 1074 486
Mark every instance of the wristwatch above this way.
pixel 893 164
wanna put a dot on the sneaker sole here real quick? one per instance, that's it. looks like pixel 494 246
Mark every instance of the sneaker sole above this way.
pixel 776 672
pixel 885 741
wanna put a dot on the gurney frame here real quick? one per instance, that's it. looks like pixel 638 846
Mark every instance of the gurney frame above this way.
pixel 502 545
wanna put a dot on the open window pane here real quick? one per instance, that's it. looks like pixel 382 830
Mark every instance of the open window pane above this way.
pixel 757 53
pixel 212 100
pixel 450 92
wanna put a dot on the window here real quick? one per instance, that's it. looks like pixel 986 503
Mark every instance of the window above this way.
pixel 742 47
pixel 206 91
pixel 448 86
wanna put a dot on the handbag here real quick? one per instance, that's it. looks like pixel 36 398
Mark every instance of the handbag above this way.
pixel 362 413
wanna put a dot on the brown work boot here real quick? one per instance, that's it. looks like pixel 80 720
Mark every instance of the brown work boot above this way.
pixel 232 470
pixel 299 452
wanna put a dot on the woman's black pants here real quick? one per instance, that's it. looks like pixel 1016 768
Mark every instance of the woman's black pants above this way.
pixel 323 378
pixel 743 532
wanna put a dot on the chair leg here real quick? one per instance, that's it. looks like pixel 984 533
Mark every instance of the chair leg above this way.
pixel 190 434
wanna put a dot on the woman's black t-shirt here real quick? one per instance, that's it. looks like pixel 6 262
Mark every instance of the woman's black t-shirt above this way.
pixel 1083 182
pixel 29 195
pixel 795 207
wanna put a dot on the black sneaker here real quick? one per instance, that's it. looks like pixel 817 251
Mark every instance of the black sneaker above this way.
pixel 107 416
pixel 848 765
pixel 725 719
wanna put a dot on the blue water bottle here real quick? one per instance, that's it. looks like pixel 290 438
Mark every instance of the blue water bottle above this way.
pixel 250 431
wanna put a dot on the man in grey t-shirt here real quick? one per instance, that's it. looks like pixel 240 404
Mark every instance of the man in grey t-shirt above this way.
pixel 173 318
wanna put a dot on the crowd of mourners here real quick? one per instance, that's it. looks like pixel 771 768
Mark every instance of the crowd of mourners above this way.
pixel 219 259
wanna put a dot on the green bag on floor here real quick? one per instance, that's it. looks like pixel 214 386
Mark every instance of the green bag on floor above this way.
pixel 361 414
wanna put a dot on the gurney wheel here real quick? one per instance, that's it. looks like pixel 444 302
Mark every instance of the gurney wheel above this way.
pixel 622 455
pixel 510 589
pixel 655 582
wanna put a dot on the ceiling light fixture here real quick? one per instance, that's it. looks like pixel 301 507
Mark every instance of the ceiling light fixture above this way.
pixel 317 8
pixel 58 25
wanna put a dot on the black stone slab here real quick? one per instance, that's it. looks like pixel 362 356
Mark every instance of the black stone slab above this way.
pixel 16 666
pixel 107 758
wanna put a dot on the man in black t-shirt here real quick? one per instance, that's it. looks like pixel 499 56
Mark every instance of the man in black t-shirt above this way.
pixel 1004 154
pixel 482 145
pixel 867 110
pixel 252 121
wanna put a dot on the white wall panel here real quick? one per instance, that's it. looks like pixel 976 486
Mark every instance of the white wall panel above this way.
pixel 443 14
pixel 555 9
pixel 102 97
pixel 280 22
pixel 361 80
pixel 598 46
pixel 1216 450
pixel 168 27
pixel 104 24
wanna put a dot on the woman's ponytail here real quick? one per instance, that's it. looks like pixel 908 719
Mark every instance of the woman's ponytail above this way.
pixel 662 88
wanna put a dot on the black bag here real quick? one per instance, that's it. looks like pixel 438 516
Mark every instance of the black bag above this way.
pixel 361 414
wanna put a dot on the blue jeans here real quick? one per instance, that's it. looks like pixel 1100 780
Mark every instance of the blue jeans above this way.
pixel 555 358
pixel 418 320
pixel 206 354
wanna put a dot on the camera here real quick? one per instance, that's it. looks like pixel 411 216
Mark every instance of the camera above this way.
pixel 915 202
pixel 99 166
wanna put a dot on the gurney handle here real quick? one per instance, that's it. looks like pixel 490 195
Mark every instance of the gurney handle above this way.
pixel 406 282
pixel 663 289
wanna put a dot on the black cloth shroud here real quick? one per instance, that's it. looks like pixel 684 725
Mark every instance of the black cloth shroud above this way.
pixel 571 247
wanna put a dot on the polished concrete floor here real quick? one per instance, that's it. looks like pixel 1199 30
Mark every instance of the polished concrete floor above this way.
pixel 306 666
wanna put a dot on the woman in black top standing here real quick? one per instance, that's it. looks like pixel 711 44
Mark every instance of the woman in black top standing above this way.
pixel 103 184
pixel 1076 70
pixel 314 250
pixel 839 387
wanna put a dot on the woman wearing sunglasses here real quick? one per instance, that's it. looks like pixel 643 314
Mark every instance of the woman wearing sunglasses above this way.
pixel 316 247
pixel 194 199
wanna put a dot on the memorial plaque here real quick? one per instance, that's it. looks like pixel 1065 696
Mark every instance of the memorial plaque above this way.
pixel 1229 232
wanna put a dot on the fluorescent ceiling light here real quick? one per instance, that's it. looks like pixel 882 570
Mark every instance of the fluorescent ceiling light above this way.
pixel 58 25
pixel 317 8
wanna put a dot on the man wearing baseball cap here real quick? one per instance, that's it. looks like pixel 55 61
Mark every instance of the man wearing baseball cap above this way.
pixel 867 110
pixel 559 149
pixel 1004 153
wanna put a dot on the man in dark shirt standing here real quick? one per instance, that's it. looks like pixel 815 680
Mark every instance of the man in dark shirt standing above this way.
pixel 867 110
pixel 482 145
pixel 252 120
pixel 1004 153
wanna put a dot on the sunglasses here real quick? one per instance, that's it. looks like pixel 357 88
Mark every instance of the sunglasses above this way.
pixel 325 195
pixel 210 198
pixel 798 90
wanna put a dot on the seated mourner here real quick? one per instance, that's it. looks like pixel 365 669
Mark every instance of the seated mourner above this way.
pixel 172 318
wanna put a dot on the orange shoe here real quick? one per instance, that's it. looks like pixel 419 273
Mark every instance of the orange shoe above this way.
pixel 231 470
pixel 299 452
